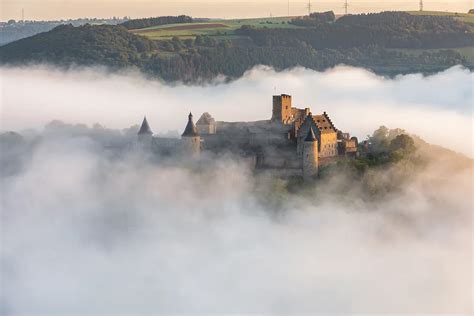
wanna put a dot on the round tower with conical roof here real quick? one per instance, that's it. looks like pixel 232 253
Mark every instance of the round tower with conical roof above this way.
pixel 303 132
pixel 145 135
pixel 191 139
pixel 310 156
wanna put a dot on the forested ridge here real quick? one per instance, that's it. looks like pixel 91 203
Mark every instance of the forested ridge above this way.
pixel 382 42
pixel 83 45
pixel 387 29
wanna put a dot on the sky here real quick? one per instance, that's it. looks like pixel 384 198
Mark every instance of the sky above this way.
pixel 65 9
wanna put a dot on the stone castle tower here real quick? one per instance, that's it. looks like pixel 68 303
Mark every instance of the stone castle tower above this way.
pixel 191 139
pixel 281 108
pixel 310 156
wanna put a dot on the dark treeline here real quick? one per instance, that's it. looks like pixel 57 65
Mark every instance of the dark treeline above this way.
pixel 205 63
pixel 162 20
pixel 315 19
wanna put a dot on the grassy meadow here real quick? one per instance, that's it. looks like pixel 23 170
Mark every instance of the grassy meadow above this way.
pixel 226 28
pixel 217 27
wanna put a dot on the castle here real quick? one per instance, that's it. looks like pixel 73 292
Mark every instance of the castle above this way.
pixel 294 142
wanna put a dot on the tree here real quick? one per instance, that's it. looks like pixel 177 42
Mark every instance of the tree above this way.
pixel 395 132
pixel 177 43
pixel 189 42
pixel 403 143
pixel 199 40
pixel 379 139
pixel 162 20
pixel 209 41
pixel 168 45
pixel 225 44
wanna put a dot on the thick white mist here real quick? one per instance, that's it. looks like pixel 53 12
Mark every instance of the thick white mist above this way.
pixel 438 108
pixel 85 234
pixel 85 231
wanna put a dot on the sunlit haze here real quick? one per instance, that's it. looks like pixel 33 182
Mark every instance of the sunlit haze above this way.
pixel 66 9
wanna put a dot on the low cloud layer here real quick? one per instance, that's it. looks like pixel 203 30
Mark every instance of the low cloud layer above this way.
pixel 438 108
pixel 87 231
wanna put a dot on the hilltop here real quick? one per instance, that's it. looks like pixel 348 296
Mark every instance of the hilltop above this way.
pixel 84 45
pixel 185 49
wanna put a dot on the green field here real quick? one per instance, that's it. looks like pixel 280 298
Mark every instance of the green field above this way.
pixel 464 17
pixel 220 28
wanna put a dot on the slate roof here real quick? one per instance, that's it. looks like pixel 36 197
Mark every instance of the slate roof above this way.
pixel 310 137
pixel 145 128
pixel 190 130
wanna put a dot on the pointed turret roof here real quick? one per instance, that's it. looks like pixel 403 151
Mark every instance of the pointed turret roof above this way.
pixel 190 130
pixel 310 137
pixel 145 128
pixel 308 120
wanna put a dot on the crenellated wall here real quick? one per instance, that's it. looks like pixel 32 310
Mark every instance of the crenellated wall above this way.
pixel 281 108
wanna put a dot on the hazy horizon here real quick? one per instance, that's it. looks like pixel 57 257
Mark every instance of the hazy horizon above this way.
pixel 71 9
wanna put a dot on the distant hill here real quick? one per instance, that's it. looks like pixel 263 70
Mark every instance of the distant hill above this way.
pixel 83 45
pixel 388 43
pixel 16 30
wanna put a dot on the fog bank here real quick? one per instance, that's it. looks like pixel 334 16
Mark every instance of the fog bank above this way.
pixel 438 108
pixel 86 233
pixel 91 230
